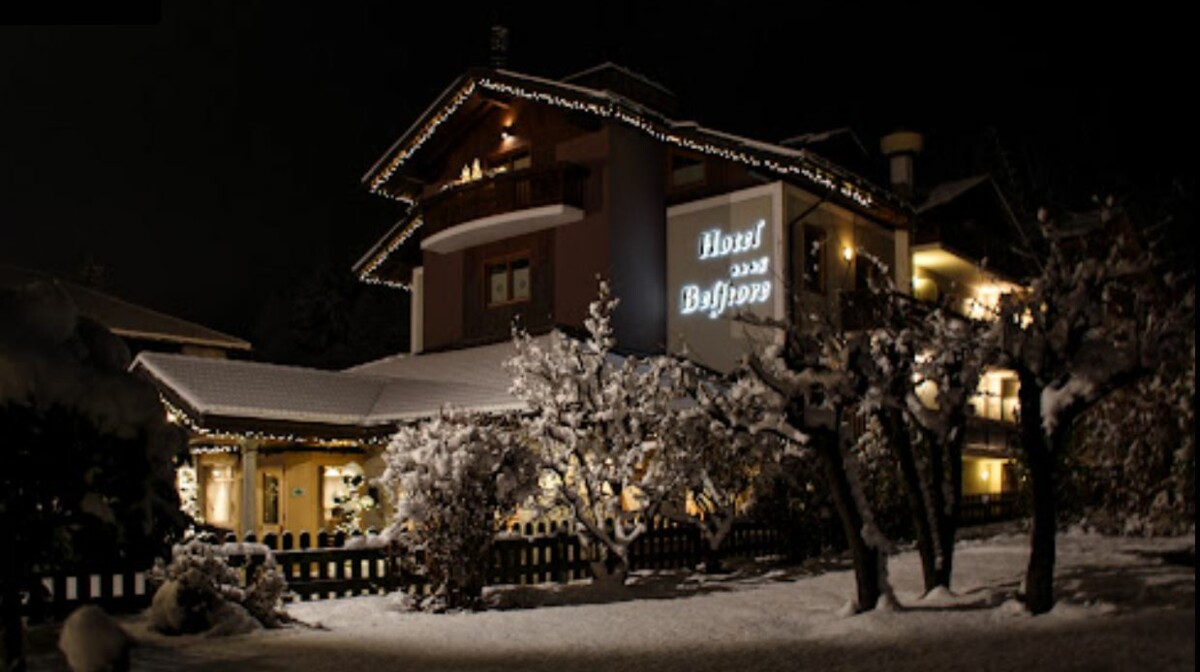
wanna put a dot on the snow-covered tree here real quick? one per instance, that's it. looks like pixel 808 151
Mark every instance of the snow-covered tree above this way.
pixel 86 456
pixel 1133 458
pixel 1097 316
pixel 450 478
pixel 946 373
pixel 817 379
pixel 601 426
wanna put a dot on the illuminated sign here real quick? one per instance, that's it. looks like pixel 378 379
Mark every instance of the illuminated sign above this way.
pixel 745 284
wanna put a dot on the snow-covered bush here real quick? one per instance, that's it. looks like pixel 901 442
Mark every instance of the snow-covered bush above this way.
pixel 723 461
pixel 601 428
pixel 450 478
pixel 198 583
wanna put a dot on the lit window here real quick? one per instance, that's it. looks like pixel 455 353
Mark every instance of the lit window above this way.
pixel 686 170
pixel 336 486
pixel 270 511
pixel 509 281
pixel 218 496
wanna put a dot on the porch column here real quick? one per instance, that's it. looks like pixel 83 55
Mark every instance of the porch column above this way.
pixel 249 511
pixel 904 274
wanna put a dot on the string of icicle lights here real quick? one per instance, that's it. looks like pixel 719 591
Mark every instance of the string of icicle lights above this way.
pixel 366 274
pixel 179 416
pixel 611 109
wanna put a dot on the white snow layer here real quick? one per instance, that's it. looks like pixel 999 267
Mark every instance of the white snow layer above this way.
pixel 93 642
pixel 1121 607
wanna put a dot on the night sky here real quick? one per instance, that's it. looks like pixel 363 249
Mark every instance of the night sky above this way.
pixel 214 159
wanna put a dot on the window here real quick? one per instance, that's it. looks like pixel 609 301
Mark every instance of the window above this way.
pixel 508 281
pixel 686 170
pixel 337 486
pixel 270 510
pixel 219 495
pixel 814 255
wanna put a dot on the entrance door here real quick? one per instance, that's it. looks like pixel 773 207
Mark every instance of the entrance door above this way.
pixel 270 513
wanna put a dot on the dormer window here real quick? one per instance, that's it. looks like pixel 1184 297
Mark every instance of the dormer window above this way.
pixel 508 280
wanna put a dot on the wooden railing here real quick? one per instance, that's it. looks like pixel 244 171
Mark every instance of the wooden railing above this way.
pixel 558 184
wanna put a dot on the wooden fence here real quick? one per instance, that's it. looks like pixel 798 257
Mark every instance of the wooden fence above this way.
pixel 523 556
pixel 322 566
pixel 115 591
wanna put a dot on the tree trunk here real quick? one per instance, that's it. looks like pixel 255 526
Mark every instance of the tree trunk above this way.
pixel 948 485
pixel 12 652
pixel 914 489
pixel 610 570
pixel 1039 576
pixel 866 557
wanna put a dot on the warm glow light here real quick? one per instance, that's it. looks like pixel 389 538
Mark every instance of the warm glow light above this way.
pixel 847 253
pixel 983 474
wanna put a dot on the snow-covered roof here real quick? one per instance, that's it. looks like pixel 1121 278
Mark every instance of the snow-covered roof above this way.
pixel 481 366
pixel 393 389
pixel 124 318
pixel 948 191
pixel 224 387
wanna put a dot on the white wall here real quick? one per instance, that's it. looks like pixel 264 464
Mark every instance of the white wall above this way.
pixel 724 255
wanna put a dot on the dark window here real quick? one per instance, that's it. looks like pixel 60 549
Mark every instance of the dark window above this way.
pixel 508 281
pixel 814 258
pixel 686 170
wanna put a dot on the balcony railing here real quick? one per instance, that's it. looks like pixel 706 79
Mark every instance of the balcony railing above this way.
pixel 558 184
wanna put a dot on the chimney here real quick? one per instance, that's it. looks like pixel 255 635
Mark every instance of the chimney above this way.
pixel 901 148
pixel 499 46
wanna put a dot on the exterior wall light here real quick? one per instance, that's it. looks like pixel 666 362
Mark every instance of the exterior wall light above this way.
pixel 506 132
pixel 847 253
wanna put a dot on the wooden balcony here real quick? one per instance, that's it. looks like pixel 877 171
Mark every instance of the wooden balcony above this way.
pixel 560 184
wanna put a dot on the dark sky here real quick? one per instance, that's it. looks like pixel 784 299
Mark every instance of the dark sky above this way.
pixel 215 158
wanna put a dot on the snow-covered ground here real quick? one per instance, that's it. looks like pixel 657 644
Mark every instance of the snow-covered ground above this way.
pixel 1124 604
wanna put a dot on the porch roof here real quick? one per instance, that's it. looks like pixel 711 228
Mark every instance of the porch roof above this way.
pixel 387 391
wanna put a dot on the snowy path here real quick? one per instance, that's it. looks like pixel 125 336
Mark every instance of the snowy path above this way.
pixel 1123 608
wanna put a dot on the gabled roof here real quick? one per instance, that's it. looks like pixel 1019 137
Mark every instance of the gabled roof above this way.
pixel 799 164
pixel 124 318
